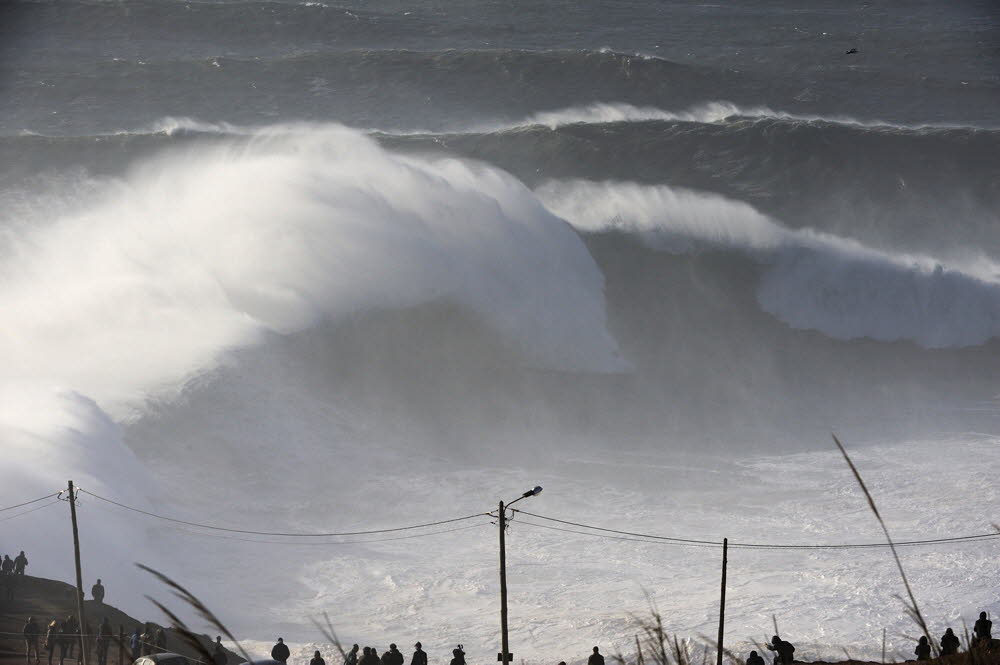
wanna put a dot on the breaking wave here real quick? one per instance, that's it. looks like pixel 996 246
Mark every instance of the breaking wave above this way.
pixel 813 280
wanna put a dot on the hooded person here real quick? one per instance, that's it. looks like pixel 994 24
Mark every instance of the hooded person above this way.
pixel 19 563
pixel 7 567
pixel 458 656
pixel 923 650
pixel 596 658
pixel 419 655
pixel 280 651
pixel 317 659
pixel 949 643
pixel 755 659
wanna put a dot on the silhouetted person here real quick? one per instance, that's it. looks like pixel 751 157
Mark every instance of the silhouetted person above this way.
pixel 135 642
pixel 595 658
pixel 219 656
pixel 755 659
pixel 352 656
pixel 366 657
pixel 982 632
pixel 923 649
pixel 784 649
pixel 373 657
pixel 52 638
pixel 393 656
pixel 458 656
pixel 7 567
pixel 103 641
pixel 280 651
pixel 67 638
pixel 19 563
pixel 30 632
pixel 419 655
pixel 97 591
pixel 317 659
pixel 949 643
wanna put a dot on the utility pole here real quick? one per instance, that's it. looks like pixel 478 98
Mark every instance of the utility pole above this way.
pixel 504 655
pixel 504 652
pixel 79 574
pixel 722 602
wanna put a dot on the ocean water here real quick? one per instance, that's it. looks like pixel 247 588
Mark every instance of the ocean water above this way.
pixel 340 266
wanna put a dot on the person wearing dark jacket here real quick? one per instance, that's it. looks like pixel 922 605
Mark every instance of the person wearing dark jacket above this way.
pixel 19 563
pixel 755 659
pixel 419 655
pixel 982 632
pixel 30 632
pixel 97 591
pixel 68 638
pixel 949 643
pixel 596 658
pixel 103 641
pixel 352 656
pixel 280 651
pixel 317 659
pixel 51 639
pixel 219 656
pixel 458 656
pixel 923 649
pixel 393 656
pixel 784 649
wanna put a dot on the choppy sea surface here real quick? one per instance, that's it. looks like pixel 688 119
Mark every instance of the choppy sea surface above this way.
pixel 341 266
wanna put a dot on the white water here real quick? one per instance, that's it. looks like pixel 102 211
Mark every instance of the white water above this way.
pixel 814 281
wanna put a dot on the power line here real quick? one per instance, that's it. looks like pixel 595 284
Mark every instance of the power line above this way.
pixel 285 534
pixel 306 543
pixel 770 546
pixel 44 505
pixel 26 503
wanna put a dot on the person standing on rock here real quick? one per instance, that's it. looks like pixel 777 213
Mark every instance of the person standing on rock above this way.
pixel 219 656
pixel 97 591
pixel 280 651
pixel 20 563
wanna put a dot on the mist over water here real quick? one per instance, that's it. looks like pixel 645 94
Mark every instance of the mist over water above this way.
pixel 380 265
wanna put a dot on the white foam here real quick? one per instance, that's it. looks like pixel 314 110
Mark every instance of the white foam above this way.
pixel 814 280
pixel 158 274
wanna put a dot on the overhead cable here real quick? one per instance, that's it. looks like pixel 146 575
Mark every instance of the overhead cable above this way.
pixel 283 534
pixel 769 546
pixel 27 503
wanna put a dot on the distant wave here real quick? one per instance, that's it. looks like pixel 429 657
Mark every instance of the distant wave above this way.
pixel 814 281
pixel 709 112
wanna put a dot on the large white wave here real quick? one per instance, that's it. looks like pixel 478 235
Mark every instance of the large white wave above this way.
pixel 157 274
pixel 813 280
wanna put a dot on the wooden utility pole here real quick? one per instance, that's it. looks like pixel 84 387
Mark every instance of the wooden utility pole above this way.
pixel 504 651
pixel 722 601
pixel 79 575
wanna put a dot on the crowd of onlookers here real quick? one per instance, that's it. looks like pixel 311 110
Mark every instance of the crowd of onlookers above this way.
pixel 61 637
